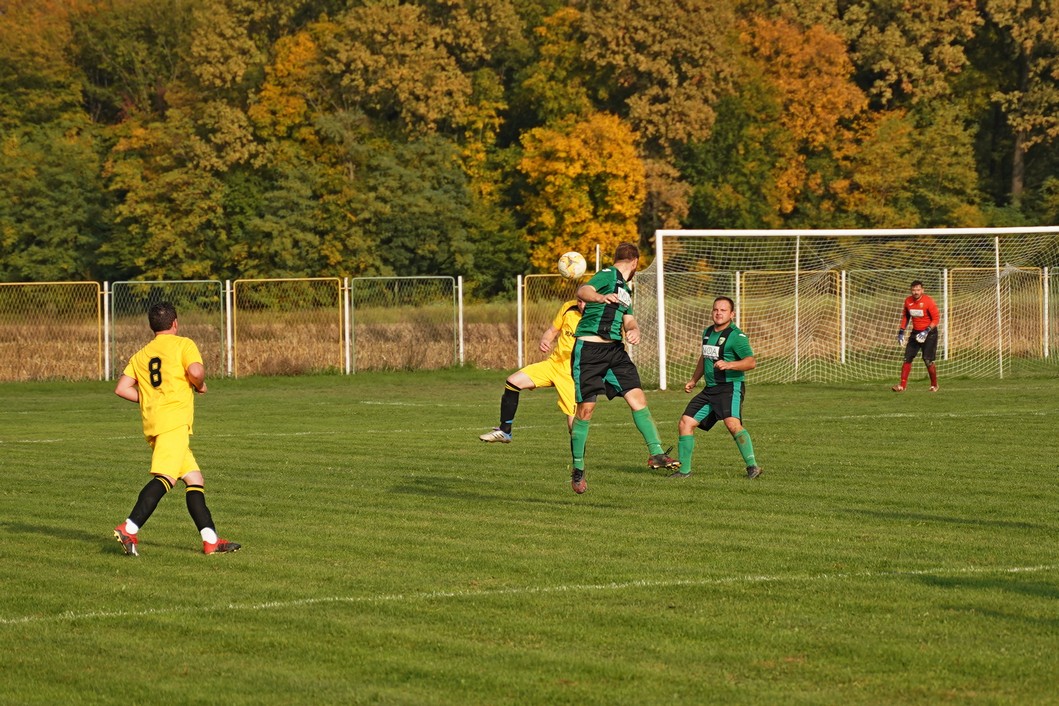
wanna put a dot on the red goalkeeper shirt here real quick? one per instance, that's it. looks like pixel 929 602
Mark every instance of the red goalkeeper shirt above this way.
pixel 923 313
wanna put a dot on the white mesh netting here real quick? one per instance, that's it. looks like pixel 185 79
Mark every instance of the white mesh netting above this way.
pixel 826 305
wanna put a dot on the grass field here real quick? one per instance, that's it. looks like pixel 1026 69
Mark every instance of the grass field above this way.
pixel 898 549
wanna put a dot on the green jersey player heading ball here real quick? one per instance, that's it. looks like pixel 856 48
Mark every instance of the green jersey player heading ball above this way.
pixel 601 365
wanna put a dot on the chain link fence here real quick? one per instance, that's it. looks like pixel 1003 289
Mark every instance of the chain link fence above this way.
pixel 404 323
pixel 51 331
pixel 200 311
pixel 287 326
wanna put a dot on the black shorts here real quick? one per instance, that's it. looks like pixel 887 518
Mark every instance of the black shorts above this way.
pixel 929 347
pixel 717 403
pixel 602 368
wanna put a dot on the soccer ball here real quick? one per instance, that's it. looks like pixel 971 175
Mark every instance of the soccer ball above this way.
pixel 572 265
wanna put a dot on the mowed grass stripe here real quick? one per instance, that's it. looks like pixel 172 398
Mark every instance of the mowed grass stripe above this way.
pixel 527 590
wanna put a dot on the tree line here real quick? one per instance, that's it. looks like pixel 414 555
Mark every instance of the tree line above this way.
pixel 187 139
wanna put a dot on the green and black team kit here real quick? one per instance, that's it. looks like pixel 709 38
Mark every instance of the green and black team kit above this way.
pixel 604 320
pixel 723 394
pixel 603 368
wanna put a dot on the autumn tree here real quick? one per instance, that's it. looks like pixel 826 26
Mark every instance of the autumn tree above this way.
pixel 585 187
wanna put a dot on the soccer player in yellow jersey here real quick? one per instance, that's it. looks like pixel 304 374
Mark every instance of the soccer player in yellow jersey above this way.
pixel 554 371
pixel 162 378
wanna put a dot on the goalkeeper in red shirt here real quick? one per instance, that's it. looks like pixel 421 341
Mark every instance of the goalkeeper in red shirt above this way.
pixel 922 312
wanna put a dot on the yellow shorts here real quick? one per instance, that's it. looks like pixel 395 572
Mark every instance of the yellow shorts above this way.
pixel 172 453
pixel 549 374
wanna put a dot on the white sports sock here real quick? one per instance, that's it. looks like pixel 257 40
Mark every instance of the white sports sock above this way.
pixel 209 535
pixel 131 527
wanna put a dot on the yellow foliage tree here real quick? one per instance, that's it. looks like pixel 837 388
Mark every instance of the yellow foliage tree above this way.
pixel 586 186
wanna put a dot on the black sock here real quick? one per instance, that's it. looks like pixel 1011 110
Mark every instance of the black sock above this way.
pixel 150 496
pixel 195 496
pixel 508 407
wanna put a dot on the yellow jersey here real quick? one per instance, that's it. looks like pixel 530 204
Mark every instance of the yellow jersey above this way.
pixel 566 320
pixel 167 400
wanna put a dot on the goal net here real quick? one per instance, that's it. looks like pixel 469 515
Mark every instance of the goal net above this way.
pixel 825 305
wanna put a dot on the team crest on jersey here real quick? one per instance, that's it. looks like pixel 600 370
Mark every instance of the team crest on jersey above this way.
pixel 720 341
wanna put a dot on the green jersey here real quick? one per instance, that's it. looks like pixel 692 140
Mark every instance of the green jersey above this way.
pixel 604 320
pixel 731 344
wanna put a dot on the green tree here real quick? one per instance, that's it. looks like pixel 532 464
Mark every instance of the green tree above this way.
pixel 52 207
pixel 1029 96
pixel 388 60
pixel 169 205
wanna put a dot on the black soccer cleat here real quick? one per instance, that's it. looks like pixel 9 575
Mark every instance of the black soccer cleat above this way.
pixel 577 481
pixel 753 472
pixel 663 460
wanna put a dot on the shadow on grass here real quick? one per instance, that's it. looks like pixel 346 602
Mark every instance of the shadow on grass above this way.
pixel 945 519
pixel 1009 584
pixel 439 488
pixel 63 533
pixel 103 539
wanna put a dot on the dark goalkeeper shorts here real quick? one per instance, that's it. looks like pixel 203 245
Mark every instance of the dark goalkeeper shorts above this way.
pixel 714 404
pixel 602 368
pixel 928 347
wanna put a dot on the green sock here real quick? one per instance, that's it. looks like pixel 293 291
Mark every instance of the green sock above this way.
pixel 746 447
pixel 685 449
pixel 578 439
pixel 646 424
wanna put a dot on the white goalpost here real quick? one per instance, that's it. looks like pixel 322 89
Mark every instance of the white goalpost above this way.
pixel 825 305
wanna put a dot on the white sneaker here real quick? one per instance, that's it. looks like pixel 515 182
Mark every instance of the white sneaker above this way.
pixel 496 435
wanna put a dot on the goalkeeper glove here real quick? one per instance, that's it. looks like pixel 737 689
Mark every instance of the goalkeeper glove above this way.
pixel 921 337
pixel 901 337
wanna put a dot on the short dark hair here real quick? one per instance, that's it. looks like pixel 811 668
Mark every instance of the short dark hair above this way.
pixel 915 283
pixel 161 316
pixel 626 251
pixel 725 299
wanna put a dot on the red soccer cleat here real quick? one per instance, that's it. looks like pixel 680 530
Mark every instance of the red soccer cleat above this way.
pixel 221 546
pixel 128 541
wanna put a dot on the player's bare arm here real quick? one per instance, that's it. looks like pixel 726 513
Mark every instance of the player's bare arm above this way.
pixel 743 364
pixel 696 376
pixel 127 389
pixel 548 339
pixel 197 377
pixel 588 293
pixel 632 329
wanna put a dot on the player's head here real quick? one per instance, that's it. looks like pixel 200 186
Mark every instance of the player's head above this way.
pixel 161 316
pixel 625 254
pixel 723 311
pixel 917 289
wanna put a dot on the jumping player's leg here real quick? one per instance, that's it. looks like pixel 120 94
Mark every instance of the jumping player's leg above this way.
pixel 515 383
pixel 645 423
